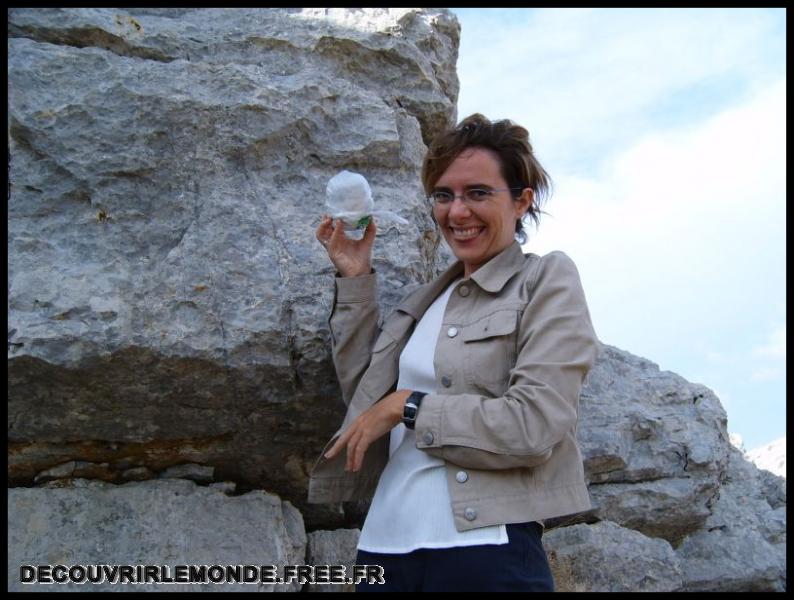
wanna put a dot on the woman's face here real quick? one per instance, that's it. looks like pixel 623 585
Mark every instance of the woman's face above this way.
pixel 476 232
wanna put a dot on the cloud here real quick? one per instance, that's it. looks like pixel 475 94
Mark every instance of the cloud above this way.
pixel 774 352
pixel 775 346
pixel 767 374
pixel 725 172
pixel 683 232
pixel 587 81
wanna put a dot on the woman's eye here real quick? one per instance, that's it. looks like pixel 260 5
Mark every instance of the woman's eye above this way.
pixel 442 196
pixel 478 194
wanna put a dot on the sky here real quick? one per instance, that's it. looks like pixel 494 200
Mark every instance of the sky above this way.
pixel 663 131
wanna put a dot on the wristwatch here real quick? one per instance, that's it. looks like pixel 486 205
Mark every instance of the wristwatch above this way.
pixel 411 408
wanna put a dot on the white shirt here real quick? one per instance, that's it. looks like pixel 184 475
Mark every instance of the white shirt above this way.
pixel 411 507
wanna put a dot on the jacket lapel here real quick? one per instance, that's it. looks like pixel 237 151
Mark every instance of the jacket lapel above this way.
pixel 494 274
pixel 491 277
pixel 417 303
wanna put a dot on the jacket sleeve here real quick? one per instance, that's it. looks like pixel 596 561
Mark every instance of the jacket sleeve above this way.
pixel 354 325
pixel 556 347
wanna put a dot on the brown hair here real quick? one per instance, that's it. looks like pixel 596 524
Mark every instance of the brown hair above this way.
pixel 509 141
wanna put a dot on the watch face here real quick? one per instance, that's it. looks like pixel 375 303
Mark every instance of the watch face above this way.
pixel 409 412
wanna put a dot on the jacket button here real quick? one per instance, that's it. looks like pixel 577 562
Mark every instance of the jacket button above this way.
pixel 463 290
pixel 461 476
pixel 452 331
pixel 470 514
pixel 427 438
pixel 446 381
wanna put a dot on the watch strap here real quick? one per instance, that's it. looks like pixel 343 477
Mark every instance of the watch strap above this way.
pixel 411 408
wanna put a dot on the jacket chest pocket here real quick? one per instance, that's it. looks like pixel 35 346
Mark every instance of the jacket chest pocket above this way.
pixel 490 350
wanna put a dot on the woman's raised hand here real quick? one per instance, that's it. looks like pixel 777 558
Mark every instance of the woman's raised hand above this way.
pixel 350 257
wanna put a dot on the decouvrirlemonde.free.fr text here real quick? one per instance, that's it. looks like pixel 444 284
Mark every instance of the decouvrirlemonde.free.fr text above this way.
pixel 201 574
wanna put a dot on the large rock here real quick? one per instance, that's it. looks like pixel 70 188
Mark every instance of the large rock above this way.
pixel 654 446
pixel 168 522
pixel 742 545
pixel 606 557
pixel 336 547
pixel 168 302
pixel 682 508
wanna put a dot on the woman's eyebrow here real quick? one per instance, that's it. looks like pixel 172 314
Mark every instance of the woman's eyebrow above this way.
pixel 471 186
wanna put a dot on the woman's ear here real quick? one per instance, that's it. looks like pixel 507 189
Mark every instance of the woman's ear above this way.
pixel 524 202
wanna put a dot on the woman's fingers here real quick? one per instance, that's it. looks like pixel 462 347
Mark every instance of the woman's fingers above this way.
pixel 338 232
pixel 340 442
pixel 368 427
pixel 358 453
pixel 331 234
pixel 324 230
pixel 369 233
pixel 356 449
pixel 351 449
pixel 355 444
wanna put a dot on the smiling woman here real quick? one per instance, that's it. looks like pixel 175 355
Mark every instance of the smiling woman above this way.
pixel 481 225
pixel 513 164
pixel 475 377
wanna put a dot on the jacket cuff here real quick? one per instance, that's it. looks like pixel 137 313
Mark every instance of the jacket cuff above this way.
pixel 363 288
pixel 428 422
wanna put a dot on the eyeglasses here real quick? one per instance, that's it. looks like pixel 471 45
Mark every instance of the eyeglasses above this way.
pixel 470 196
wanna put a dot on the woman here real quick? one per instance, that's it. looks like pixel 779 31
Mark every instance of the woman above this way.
pixel 476 377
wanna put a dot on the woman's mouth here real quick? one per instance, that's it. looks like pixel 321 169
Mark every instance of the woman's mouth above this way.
pixel 460 234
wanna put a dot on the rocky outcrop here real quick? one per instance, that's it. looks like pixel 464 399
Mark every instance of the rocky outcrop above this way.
pixel 606 557
pixel 660 522
pixel 166 522
pixel 170 381
pixel 741 545
pixel 677 507
pixel 654 446
pixel 168 302
pixel 337 547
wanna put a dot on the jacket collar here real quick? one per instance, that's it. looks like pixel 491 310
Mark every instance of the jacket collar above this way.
pixel 491 277
pixel 494 274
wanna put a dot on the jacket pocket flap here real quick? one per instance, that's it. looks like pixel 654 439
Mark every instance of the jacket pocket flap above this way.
pixel 394 328
pixel 499 323
pixel 384 341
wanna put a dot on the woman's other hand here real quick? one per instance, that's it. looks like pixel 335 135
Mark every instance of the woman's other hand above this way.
pixel 351 258
pixel 368 427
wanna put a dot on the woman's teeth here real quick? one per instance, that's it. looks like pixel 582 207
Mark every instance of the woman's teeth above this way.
pixel 466 234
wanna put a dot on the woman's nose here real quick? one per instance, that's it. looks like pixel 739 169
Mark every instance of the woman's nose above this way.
pixel 458 207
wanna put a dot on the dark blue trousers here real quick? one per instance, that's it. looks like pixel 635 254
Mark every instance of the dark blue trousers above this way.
pixel 518 566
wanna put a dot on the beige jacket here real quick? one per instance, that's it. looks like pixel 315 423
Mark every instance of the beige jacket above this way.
pixel 515 345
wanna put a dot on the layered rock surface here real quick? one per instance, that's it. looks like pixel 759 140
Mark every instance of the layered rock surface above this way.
pixel 168 303
pixel 166 522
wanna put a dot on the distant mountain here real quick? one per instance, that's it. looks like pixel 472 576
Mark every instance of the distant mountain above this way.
pixel 771 457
